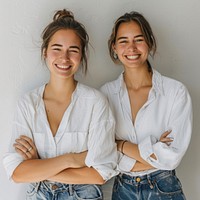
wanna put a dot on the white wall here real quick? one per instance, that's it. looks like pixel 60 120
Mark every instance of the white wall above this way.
pixel 175 23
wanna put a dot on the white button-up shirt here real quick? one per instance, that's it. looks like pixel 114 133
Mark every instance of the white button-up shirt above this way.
pixel 87 124
pixel 168 108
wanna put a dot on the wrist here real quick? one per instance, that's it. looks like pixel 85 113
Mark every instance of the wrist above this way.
pixel 122 146
pixel 69 160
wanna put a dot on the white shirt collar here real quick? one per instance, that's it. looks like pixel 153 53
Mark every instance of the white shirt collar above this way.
pixel 157 83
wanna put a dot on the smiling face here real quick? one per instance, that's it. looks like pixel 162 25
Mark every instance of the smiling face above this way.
pixel 63 54
pixel 130 45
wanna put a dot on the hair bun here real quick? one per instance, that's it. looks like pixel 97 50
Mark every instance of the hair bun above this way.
pixel 62 14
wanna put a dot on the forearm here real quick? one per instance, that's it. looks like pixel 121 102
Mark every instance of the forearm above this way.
pixel 35 170
pixel 132 151
pixel 83 175
pixel 141 167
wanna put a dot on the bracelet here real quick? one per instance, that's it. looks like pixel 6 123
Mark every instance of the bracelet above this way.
pixel 123 146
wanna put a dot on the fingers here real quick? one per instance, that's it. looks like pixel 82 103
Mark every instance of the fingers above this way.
pixel 165 134
pixel 27 141
pixel 20 146
pixel 165 138
pixel 19 151
pixel 25 147
pixel 24 155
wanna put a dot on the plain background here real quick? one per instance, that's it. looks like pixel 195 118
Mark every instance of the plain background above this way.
pixel 176 26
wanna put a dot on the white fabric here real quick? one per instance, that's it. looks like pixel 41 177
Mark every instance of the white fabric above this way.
pixel 87 124
pixel 168 107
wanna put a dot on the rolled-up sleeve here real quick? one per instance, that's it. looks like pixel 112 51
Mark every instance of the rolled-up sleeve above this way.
pixel 102 151
pixel 168 157
pixel 125 163
pixel 20 126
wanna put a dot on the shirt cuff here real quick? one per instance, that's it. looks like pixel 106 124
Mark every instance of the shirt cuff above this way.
pixel 106 172
pixel 146 147
pixel 11 161
pixel 125 163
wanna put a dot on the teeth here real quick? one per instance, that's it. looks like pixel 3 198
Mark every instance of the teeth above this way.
pixel 63 66
pixel 133 57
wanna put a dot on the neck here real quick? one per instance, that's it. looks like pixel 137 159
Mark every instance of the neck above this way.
pixel 138 77
pixel 60 90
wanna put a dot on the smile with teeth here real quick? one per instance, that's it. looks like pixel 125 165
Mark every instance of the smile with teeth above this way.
pixel 133 57
pixel 65 67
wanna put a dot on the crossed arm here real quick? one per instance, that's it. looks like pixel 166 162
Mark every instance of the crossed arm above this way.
pixel 68 168
pixel 131 150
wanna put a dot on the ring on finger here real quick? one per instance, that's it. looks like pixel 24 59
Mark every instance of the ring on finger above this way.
pixel 29 149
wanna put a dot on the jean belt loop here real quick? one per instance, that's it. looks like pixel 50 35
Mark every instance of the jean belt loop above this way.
pixel 120 175
pixel 70 190
pixel 150 181
pixel 37 187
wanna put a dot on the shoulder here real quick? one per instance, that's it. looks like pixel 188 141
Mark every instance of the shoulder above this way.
pixel 112 86
pixel 170 87
pixel 173 85
pixel 32 97
pixel 88 92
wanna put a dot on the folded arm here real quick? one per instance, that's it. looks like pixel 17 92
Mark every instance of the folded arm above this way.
pixel 84 175
pixel 33 169
pixel 168 157
pixel 132 150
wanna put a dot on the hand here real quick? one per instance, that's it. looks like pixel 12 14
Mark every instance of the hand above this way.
pixel 165 139
pixel 26 148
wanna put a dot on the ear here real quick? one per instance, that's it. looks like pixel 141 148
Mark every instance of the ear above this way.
pixel 113 48
pixel 44 53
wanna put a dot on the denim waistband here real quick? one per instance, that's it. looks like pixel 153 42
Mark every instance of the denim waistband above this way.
pixel 53 186
pixel 145 178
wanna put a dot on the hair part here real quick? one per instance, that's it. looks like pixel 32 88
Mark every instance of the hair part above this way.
pixel 144 26
pixel 64 19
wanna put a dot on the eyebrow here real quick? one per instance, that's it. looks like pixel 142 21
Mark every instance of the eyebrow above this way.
pixel 59 45
pixel 56 45
pixel 75 47
pixel 121 38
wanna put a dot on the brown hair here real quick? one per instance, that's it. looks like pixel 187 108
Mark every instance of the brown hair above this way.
pixel 144 26
pixel 64 19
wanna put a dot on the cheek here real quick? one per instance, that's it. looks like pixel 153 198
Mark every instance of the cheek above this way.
pixel 52 55
pixel 76 58
pixel 120 49
pixel 144 47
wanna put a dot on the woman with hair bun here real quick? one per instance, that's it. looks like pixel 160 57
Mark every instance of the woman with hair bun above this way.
pixel 63 132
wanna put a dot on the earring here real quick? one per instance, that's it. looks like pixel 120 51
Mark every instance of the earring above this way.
pixel 115 56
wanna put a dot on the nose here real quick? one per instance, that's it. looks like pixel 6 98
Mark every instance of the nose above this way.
pixel 132 46
pixel 65 56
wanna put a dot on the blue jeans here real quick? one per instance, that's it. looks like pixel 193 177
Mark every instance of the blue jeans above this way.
pixel 159 185
pixel 57 191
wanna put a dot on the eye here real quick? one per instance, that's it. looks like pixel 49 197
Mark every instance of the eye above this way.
pixel 123 41
pixel 56 49
pixel 74 51
pixel 139 40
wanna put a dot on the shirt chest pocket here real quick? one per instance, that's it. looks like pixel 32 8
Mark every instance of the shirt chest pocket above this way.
pixel 73 142
pixel 68 142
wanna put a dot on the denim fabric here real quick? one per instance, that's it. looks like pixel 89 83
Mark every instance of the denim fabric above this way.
pixel 57 191
pixel 159 185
